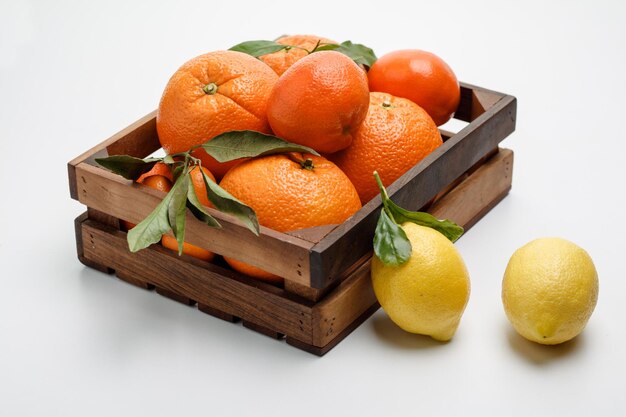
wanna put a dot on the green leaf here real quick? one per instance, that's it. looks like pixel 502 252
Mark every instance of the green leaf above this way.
pixel 247 144
pixel 258 48
pixel 127 166
pixel 198 210
pixel 401 215
pixel 177 209
pixel 168 159
pixel 391 245
pixel 360 54
pixel 178 170
pixel 448 228
pixel 151 229
pixel 326 47
pixel 226 203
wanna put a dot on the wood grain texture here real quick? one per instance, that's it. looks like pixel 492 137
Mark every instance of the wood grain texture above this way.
pixel 219 289
pixel 337 311
pixel 279 253
pixel 80 246
pixel 487 183
pixel 475 101
pixel 350 240
pixel 139 139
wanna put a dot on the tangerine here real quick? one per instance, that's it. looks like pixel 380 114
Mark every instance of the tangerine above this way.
pixel 319 102
pixel 395 135
pixel 160 178
pixel 211 94
pixel 289 192
pixel 299 47
pixel 420 76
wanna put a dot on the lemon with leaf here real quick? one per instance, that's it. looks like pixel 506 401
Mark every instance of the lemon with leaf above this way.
pixel 418 275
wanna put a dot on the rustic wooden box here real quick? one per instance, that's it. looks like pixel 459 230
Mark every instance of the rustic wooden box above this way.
pixel 327 291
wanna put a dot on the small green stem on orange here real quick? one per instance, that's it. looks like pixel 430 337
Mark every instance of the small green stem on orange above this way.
pixel 308 164
pixel 210 88
pixel 304 163
pixel 386 105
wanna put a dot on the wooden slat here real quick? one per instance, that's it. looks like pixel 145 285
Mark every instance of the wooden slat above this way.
pixel 457 207
pixel 475 101
pixel 351 298
pixel 281 254
pixel 209 285
pixel 80 246
pixel 139 139
pixel 350 240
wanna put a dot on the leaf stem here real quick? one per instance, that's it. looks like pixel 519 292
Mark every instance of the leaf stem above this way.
pixel 381 187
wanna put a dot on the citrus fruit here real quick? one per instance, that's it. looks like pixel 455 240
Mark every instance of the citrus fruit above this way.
pixel 289 192
pixel 160 178
pixel 549 290
pixel 158 169
pixel 211 94
pixel 428 293
pixel 395 135
pixel 299 47
pixel 197 252
pixel 319 102
pixel 197 180
pixel 420 76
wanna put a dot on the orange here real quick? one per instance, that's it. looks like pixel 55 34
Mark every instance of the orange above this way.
pixel 319 102
pixel 304 44
pixel 170 242
pixel 211 94
pixel 198 183
pixel 289 192
pixel 160 178
pixel 160 169
pixel 395 135
pixel 420 76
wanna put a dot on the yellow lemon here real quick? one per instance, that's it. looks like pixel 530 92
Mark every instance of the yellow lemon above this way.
pixel 549 290
pixel 428 293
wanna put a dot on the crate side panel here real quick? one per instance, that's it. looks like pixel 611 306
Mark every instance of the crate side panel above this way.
pixel 211 286
pixel 284 255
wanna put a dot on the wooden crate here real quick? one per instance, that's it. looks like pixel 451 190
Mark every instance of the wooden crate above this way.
pixel 327 291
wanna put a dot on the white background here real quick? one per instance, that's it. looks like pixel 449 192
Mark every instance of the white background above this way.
pixel 75 342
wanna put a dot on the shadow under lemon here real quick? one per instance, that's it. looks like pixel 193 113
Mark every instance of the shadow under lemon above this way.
pixel 387 331
pixel 539 354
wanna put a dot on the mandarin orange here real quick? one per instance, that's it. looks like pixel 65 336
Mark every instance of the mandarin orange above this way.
pixel 395 135
pixel 211 94
pixel 420 76
pixel 289 192
pixel 299 47
pixel 319 102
